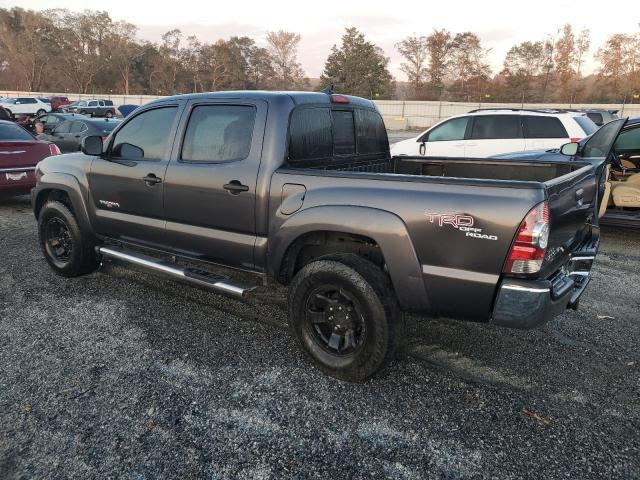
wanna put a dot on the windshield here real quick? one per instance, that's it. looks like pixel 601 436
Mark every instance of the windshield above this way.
pixel 13 132
pixel 586 124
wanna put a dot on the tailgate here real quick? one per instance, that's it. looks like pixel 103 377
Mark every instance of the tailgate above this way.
pixel 572 202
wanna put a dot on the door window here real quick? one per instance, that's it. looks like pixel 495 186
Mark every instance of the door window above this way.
pixel 628 141
pixel 600 143
pixel 543 127
pixel 452 130
pixel 218 133
pixel 488 127
pixel 93 104
pixel 145 136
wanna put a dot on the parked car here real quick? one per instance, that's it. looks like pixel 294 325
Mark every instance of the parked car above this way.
pixel 51 120
pixel 25 106
pixel 300 189
pixel 68 135
pixel 19 154
pixel 58 102
pixel 620 189
pixel 486 132
pixel 95 108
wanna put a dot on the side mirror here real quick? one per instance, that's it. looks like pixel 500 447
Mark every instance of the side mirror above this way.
pixel 569 149
pixel 91 145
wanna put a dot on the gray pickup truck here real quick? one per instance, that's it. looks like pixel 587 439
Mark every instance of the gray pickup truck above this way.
pixel 300 189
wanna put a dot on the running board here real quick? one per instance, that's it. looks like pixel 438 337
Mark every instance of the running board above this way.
pixel 203 278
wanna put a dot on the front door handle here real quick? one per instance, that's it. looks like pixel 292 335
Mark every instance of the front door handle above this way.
pixel 235 187
pixel 151 179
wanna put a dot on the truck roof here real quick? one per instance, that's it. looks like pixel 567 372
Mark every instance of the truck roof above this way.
pixel 298 98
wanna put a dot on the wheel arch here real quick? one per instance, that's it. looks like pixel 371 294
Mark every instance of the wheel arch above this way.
pixel 369 228
pixel 64 188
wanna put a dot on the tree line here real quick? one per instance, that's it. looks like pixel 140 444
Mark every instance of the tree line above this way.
pixel 85 52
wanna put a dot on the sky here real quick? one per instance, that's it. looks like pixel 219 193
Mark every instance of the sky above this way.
pixel 500 24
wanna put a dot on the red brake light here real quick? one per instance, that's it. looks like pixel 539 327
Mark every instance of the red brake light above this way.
pixel 528 249
pixel 53 149
pixel 575 139
pixel 339 99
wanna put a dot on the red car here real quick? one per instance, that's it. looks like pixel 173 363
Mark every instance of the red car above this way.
pixel 19 153
pixel 57 102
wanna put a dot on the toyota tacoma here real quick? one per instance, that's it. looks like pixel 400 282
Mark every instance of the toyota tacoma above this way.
pixel 300 188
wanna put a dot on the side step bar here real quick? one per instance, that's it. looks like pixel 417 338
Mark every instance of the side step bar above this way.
pixel 203 278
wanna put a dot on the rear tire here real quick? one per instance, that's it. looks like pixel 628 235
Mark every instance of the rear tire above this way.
pixel 40 112
pixel 345 316
pixel 66 249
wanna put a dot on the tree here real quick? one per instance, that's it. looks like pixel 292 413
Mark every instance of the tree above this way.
pixel 439 46
pixel 27 56
pixel 125 51
pixel 414 51
pixel 468 63
pixel 564 60
pixel 619 61
pixel 523 65
pixel 583 43
pixel 283 48
pixel 358 67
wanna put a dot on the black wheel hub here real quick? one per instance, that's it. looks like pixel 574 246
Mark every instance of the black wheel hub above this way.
pixel 58 240
pixel 335 320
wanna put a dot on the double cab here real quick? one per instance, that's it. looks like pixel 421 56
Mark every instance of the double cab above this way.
pixel 300 189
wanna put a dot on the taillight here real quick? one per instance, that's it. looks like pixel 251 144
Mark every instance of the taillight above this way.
pixel 575 139
pixel 527 252
pixel 53 149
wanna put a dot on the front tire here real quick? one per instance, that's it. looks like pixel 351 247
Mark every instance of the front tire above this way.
pixel 345 316
pixel 66 249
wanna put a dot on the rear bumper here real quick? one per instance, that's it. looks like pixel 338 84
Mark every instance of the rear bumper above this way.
pixel 17 179
pixel 523 303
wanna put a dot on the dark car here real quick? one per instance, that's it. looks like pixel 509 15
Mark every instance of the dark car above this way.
pixel 621 192
pixel 69 134
pixel 20 151
pixel 600 116
pixel 94 108
pixel 52 120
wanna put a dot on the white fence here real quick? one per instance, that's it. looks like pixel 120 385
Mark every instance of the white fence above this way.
pixel 398 114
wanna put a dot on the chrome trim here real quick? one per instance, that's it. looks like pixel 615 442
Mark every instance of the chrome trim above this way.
pixel 159 266
pixel 458 274
pixel 17 169
pixel 581 259
pixel 520 288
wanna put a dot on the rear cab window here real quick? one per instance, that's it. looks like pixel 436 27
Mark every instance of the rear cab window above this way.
pixel 324 133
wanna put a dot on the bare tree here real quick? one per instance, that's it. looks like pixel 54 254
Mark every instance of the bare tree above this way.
pixel 564 59
pixel 468 62
pixel 414 51
pixel 523 64
pixel 125 51
pixel 283 47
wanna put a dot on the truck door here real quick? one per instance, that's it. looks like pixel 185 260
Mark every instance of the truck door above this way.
pixel 210 187
pixel 126 185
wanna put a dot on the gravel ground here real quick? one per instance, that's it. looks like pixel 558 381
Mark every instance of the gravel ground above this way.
pixel 122 374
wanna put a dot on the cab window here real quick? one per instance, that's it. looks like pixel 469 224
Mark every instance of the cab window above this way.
pixel 145 136
pixel 218 133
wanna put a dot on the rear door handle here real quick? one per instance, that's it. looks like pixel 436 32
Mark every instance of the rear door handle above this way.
pixel 235 187
pixel 151 179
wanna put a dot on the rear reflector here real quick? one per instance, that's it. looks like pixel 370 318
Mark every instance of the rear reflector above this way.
pixel 528 249
pixel 339 99
pixel 53 148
